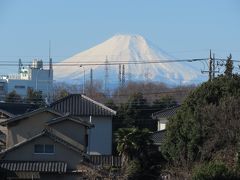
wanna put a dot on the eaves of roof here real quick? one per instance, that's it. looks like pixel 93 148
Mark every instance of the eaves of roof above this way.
pixel 100 104
pixel 28 114
pixel 33 166
pixel 68 117
pixel 166 112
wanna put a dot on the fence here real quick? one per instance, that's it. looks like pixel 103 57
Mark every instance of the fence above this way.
pixel 106 160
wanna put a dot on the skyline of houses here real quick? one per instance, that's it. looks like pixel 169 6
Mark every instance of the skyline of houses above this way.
pixel 61 136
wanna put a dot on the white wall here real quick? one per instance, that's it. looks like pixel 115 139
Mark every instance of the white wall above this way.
pixel 162 122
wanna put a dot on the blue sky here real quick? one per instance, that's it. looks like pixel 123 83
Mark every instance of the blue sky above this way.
pixel 183 28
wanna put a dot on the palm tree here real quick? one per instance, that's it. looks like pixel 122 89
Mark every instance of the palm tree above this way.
pixel 132 143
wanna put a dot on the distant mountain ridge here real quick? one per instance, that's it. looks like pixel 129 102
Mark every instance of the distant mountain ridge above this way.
pixel 135 54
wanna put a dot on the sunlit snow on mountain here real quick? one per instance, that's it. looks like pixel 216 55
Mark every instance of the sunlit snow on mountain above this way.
pixel 136 54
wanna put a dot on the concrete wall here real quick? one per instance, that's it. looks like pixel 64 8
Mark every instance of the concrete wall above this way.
pixel 71 129
pixel 62 153
pixel 100 137
pixel 27 128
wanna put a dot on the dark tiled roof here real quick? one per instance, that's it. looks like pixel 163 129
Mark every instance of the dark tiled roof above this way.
pixel 55 136
pixel 18 108
pixel 68 117
pixel 28 114
pixel 34 166
pixel 166 112
pixel 158 137
pixel 80 105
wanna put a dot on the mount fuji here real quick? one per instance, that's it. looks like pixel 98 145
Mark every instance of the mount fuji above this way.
pixel 131 55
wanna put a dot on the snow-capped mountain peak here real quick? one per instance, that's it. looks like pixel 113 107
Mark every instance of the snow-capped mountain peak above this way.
pixel 141 59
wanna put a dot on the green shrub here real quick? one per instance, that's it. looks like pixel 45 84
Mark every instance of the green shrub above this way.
pixel 212 171
pixel 133 170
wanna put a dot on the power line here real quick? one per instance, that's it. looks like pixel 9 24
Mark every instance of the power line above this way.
pixel 86 63
pixel 95 63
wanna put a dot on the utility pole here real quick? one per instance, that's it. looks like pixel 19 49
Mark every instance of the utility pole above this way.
pixel 213 73
pixel 91 81
pixel 106 75
pixel 123 75
pixel 119 75
pixel 83 88
pixel 211 68
pixel 91 77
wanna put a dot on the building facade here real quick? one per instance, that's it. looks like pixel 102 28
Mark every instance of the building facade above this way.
pixel 34 76
pixel 44 144
pixel 81 106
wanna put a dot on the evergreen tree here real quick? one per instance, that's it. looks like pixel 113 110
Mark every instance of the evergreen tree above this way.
pixel 131 113
pixel 229 67
pixel 34 97
pixel 206 124
pixel 164 102
pixel 13 97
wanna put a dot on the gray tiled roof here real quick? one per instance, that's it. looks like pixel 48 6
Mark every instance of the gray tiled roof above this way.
pixel 81 105
pixel 17 108
pixel 158 137
pixel 34 166
pixel 166 112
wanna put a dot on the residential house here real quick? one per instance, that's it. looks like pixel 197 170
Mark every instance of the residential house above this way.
pixel 45 144
pixel 10 110
pixel 162 117
pixel 85 108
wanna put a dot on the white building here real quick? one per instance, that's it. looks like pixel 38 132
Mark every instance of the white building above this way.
pixel 163 116
pixel 34 76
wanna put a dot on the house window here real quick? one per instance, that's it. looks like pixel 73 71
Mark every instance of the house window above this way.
pixel 39 148
pixel 43 148
pixel 49 148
